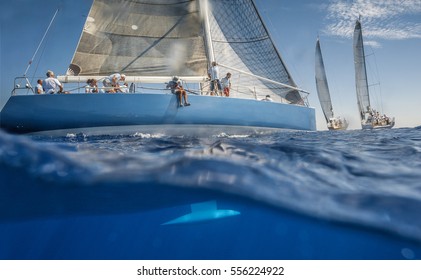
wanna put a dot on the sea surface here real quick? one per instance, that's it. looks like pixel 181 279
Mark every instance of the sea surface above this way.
pixel 280 195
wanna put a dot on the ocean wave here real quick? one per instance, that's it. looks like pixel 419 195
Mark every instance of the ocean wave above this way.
pixel 366 178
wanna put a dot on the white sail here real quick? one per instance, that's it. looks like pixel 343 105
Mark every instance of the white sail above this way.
pixel 241 40
pixel 322 85
pixel 333 123
pixel 178 37
pixel 361 81
pixel 141 38
pixel 370 118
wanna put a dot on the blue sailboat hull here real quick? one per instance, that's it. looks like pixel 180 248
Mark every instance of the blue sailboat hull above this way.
pixel 39 113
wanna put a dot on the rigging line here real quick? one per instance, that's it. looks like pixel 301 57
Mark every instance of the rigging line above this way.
pixel 379 82
pixel 276 36
pixel 265 79
pixel 40 43
pixel 378 94
pixel 37 65
pixel 243 41
pixel 155 43
pixel 40 57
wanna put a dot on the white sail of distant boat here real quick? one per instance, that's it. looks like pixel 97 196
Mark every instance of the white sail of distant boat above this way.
pixel 370 118
pixel 151 41
pixel 333 123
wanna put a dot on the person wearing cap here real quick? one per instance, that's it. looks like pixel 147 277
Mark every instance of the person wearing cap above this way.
pixel 51 85
pixel 177 88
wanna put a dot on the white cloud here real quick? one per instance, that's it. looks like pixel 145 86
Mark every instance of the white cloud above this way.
pixel 373 44
pixel 381 19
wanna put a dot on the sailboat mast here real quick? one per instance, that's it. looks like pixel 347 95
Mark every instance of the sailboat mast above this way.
pixel 361 80
pixel 365 65
pixel 204 12
pixel 322 84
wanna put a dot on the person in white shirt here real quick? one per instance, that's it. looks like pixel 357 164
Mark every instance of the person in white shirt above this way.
pixel 92 86
pixel 112 82
pixel 125 88
pixel 177 88
pixel 51 85
pixel 38 88
pixel 213 74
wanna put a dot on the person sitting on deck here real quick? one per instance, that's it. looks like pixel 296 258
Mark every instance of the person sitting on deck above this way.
pixel 111 83
pixel 51 85
pixel 38 88
pixel 125 88
pixel 267 98
pixel 177 89
pixel 92 86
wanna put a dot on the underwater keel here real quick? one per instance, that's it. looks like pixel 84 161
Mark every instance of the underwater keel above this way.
pixel 201 212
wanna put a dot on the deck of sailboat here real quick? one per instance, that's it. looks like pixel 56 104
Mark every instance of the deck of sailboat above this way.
pixel 370 126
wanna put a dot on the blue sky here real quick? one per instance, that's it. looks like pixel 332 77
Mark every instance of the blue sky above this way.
pixel 392 32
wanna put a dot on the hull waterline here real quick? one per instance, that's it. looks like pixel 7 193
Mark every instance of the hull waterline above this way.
pixel 79 112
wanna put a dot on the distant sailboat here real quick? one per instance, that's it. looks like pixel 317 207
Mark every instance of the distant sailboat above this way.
pixel 370 118
pixel 333 123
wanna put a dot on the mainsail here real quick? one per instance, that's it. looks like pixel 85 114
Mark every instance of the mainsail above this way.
pixel 361 81
pixel 181 37
pixel 322 85
pixel 141 38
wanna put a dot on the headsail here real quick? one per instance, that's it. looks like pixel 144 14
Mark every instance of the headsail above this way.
pixel 361 81
pixel 322 85
pixel 241 40
pixel 171 37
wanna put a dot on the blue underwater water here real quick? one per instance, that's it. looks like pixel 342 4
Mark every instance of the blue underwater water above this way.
pixel 295 195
